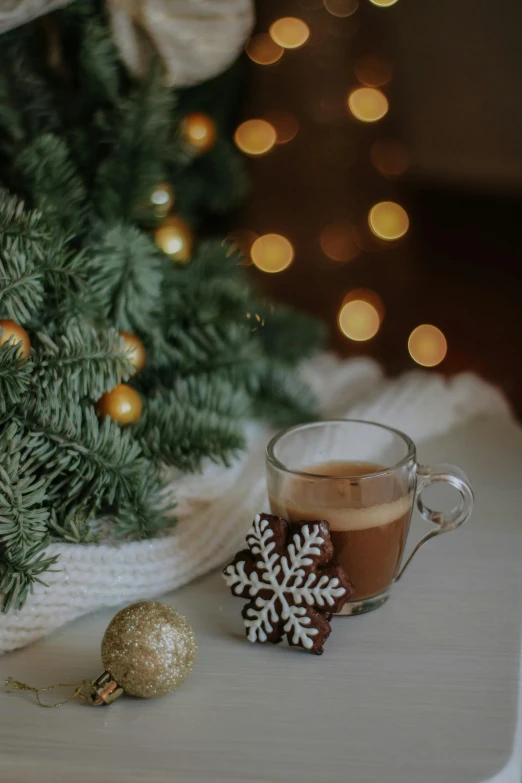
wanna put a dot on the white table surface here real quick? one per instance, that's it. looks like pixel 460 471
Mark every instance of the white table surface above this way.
pixel 424 690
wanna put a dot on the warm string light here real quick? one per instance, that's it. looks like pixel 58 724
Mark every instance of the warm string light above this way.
pixel 358 320
pixel 272 253
pixel 162 199
pixel 388 220
pixel 427 345
pixel 289 32
pixel 368 104
pixel 255 137
pixel 362 310
pixel 263 50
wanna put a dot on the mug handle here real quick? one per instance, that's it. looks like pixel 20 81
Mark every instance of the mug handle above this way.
pixel 455 477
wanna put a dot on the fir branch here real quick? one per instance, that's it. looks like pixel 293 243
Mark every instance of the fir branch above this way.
pixel 144 517
pixel 99 62
pixel 288 335
pixel 23 515
pixel 74 527
pixel 212 288
pixel 125 278
pixel 138 149
pixel 66 280
pixel 15 376
pixel 283 398
pixel 225 348
pixel 81 361
pixel 21 283
pixel 20 573
pixel 23 225
pixel 55 184
pixel 197 419
pixel 23 519
pixel 88 464
pixel 28 92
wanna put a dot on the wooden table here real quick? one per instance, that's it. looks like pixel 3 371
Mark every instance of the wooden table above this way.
pixel 425 690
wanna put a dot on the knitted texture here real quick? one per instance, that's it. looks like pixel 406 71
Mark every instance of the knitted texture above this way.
pixel 215 508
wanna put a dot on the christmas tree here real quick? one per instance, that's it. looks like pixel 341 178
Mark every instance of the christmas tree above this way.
pixel 128 348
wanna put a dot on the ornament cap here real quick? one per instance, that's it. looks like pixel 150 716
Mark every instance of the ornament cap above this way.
pixel 105 690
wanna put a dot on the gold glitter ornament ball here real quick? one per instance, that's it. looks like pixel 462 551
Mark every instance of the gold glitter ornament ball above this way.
pixel 149 649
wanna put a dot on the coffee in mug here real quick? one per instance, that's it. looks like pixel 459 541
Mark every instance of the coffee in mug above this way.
pixel 362 478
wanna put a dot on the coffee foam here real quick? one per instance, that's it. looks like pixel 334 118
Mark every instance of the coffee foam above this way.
pixel 372 516
pixel 344 519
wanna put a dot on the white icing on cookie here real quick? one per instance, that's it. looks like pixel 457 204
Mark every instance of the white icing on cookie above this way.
pixel 302 589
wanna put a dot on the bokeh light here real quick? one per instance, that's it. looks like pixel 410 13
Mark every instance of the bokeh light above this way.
pixel 341 8
pixel 383 3
pixel 272 253
pixel 162 199
pixel 289 32
pixel 337 242
pixel 366 295
pixel 368 104
pixel 358 320
pixel 255 137
pixel 373 71
pixel 284 123
pixel 390 158
pixel 263 50
pixel 427 345
pixel 388 220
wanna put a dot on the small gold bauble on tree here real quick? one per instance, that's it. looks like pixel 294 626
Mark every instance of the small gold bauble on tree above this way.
pixel 198 132
pixel 121 404
pixel 136 350
pixel 162 199
pixel 174 237
pixel 13 333
pixel 148 650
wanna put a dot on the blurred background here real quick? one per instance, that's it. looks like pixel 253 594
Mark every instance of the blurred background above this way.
pixel 384 146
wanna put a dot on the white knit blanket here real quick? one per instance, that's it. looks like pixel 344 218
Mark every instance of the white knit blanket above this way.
pixel 216 507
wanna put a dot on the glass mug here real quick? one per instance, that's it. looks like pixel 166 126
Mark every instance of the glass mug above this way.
pixel 363 478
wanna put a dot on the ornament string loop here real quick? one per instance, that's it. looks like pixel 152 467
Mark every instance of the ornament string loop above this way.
pixel 15 685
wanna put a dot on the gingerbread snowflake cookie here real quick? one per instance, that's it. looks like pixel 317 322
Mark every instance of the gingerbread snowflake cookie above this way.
pixel 288 575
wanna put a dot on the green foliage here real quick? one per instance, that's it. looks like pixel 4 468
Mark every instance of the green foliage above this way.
pixel 138 133
pixel 81 362
pixel 289 335
pixel 20 224
pixel 23 519
pixel 283 398
pixel 126 278
pixel 99 62
pixel 55 184
pixel 84 145
pixel 15 377
pixel 199 418
pixel 21 285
